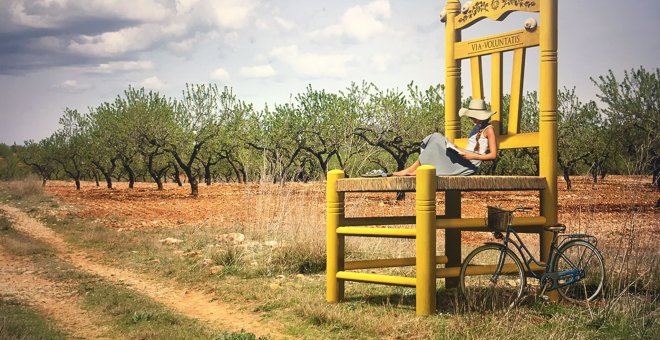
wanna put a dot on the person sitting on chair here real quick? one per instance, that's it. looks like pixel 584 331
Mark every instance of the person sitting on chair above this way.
pixel 450 160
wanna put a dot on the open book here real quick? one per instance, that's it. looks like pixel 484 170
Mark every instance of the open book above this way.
pixel 453 148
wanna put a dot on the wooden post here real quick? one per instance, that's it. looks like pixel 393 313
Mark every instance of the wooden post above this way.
pixel 548 121
pixel 452 131
pixel 334 242
pixel 426 184
pixel 452 74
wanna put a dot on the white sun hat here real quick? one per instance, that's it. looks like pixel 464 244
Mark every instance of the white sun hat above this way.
pixel 476 109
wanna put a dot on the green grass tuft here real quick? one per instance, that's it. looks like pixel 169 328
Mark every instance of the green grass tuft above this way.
pixel 138 316
pixel 18 321
pixel 5 223
pixel 242 335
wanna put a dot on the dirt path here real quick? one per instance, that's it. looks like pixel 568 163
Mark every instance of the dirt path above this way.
pixel 57 301
pixel 188 302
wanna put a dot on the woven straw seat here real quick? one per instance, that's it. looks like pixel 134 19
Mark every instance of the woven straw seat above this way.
pixel 445 183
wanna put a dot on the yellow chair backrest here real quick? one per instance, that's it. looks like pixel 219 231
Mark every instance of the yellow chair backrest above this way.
pixel 494 47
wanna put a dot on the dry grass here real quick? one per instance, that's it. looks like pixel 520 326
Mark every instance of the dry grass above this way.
pixel 27 189
pixel 19 321
pixel 285 234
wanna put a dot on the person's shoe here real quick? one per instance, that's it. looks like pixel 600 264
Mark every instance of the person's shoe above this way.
pixel 377 173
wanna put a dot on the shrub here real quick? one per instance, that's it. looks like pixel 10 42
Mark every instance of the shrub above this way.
pixel 303 258
pixel 27 189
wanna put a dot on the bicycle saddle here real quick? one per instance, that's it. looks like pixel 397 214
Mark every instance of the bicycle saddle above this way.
pixel 555 228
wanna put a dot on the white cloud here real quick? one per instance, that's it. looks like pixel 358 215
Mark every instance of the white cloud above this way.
pixel 134 26
pixel 110 44
pixel 285 24
pixel 143 10
pixel 275 23
pixel 359 22
pixel 56 13
pixel 232 39
pixel 220 74
pixel 185 6
pixel 258 71
pixel 232 14
pixel 185 46
pixel 19 15
pixel 313 64
pixel 381 62
pixel 72 86
pixel 79 33
pixel 153 83
pixel 50 44
pixel 123 66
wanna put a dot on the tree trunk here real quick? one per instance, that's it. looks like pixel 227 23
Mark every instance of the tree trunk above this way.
pixel 493 166
pixel 323 162
pixel 154 175
pixel 241 176
pixel 188 170
pixel 567 179
pixel 77 183
pixel 400 165
pixel 656 173
pixel 207 173
pixel 108 180
pixel 595 171
pixel 43 182
pixel 194 187
pixel 594 174
pixel 177 175
pixel 96 179
pixel 131 176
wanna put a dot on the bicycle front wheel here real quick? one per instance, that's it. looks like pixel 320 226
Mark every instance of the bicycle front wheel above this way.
pixel 580 255
pixel 482 288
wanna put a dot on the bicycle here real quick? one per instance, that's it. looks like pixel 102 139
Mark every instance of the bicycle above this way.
pixel 493 275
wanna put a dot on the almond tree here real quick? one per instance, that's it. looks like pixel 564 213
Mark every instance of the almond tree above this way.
pixel 226 144
pixel 519 161
pixel 632 108
pixel 232 148
pixel 277 135
pixel 120 120
pixel 353 151
pixel 195 120
pixel 102 148
pixel 153 116
pixel 579 128
pixel 69 143
pixel 396 123
pixel 329 124
pixel 39 156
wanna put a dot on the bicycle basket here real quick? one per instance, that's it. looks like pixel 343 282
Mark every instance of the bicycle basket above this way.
pixel 498 219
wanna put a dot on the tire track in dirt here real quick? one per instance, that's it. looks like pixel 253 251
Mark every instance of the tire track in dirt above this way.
pixel 57 301
pixel 191 303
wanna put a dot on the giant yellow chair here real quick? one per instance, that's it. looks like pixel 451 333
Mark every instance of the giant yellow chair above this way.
pixel 426 221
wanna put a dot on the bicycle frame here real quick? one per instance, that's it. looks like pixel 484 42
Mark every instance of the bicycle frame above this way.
pixel 555 279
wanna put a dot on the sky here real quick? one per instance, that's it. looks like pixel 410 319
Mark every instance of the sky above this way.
pixel 57 54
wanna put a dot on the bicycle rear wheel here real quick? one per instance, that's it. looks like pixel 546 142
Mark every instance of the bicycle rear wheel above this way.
pixel 580 255
pixel 481 289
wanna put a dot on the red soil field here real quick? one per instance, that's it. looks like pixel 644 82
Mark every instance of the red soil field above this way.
pixel 608 209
